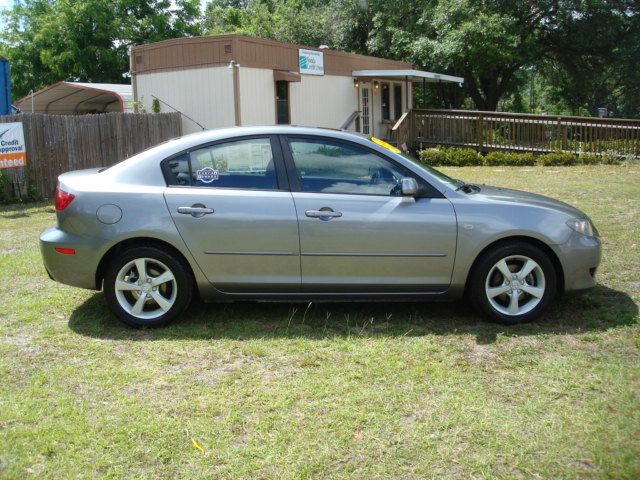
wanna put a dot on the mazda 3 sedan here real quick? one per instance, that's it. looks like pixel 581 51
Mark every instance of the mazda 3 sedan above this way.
pixel 296 213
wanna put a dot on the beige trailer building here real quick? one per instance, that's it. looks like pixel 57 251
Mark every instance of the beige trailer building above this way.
pixel 225 80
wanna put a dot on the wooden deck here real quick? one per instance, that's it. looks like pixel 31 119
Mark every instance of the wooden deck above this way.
pixel 486 131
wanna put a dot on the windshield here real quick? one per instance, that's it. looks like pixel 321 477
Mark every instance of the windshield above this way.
pixel 451 182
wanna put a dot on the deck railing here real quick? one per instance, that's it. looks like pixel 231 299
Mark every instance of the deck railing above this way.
pixel 401 131
pixel 486 131
pixel 350 119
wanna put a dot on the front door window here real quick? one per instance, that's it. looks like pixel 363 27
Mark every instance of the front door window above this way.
pixel 397 101
pixel 385 102
pixel 325 166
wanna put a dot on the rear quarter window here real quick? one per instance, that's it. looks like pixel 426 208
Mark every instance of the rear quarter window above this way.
pixel 176 170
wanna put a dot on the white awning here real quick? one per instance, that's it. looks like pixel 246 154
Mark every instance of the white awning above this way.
pixel 76 98
pixel 413 75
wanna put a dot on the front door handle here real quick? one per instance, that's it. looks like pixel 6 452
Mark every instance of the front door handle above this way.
pixel 325 213
pixel 196 210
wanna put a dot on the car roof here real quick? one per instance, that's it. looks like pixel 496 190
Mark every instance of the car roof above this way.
pixel 231 132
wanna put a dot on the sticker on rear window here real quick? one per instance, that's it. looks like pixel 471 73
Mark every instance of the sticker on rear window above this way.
pixel 207 175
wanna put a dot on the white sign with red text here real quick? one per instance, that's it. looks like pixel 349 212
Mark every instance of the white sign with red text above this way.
pixel 13 151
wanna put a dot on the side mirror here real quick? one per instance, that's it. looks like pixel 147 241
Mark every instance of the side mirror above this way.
pixel 409 186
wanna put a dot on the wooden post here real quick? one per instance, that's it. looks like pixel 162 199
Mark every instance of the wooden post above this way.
pixel 411 130
pixel 236 93
pixel 480 128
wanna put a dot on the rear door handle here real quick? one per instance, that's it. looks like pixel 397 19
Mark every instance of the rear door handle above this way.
pixel 324 213
pixel 196 210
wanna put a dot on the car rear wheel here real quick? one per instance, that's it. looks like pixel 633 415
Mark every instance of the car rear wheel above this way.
pixel 147 286
pixel 514 283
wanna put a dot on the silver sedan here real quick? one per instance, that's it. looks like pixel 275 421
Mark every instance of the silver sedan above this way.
pixel 297 213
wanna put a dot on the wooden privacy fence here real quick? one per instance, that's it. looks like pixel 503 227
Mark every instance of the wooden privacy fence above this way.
pixel 60 143
pixel 487 131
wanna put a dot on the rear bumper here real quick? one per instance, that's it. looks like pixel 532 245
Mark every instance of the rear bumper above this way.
pixel 77 270
pixel 580 258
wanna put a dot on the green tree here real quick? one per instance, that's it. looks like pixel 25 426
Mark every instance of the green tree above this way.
pixel 341 24
pixel 485 42
pixel 585 50
pixel 591 58
pixel 88 40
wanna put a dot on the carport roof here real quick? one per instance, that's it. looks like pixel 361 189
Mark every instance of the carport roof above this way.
pixel 70 98
pixel 414 75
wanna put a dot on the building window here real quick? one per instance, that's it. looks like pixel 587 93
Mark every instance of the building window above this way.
pixel 282 102
pixel 366 119
pixel 397 101
pixel 386 105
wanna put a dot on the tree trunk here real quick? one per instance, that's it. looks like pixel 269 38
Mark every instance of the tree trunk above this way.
pixel 487 90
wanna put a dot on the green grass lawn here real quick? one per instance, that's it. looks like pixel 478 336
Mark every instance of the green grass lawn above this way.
pixel 380 390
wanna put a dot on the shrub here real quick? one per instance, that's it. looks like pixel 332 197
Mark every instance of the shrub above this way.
pixel 462 157
pixel 5 188
pixel 432 156
pixel 589 159
pixel 609 158
pixel 509 159
pixel 557 159
pixel 527 159
pixel 454 157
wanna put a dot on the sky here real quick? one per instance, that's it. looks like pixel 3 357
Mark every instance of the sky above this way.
pixel 5 4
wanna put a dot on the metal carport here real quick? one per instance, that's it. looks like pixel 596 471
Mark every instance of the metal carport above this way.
pixel 75 98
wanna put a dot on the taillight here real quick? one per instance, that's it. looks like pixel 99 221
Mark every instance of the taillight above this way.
pixel 62 199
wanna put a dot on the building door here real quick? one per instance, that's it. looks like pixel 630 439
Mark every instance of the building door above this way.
pixel 282 103
pixel 365 109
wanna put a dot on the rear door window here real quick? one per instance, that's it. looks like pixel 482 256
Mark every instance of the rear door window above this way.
pixel 240 164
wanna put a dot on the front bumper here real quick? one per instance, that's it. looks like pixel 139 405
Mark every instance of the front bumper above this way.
pixel 580 258
pixel 77 270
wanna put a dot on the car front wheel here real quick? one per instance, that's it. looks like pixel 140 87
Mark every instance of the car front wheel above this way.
pixel 513 283
pixel 147 286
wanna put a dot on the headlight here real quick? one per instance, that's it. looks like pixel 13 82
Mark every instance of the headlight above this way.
pixel 583 226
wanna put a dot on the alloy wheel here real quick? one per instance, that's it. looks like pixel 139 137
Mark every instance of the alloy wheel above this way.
pixel 146 288
pixel 515 285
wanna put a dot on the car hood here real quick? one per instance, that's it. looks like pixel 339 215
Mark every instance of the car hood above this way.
pixel 506 195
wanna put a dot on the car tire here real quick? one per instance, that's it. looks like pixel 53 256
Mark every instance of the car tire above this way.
pixel 148 286
pixel 512 283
